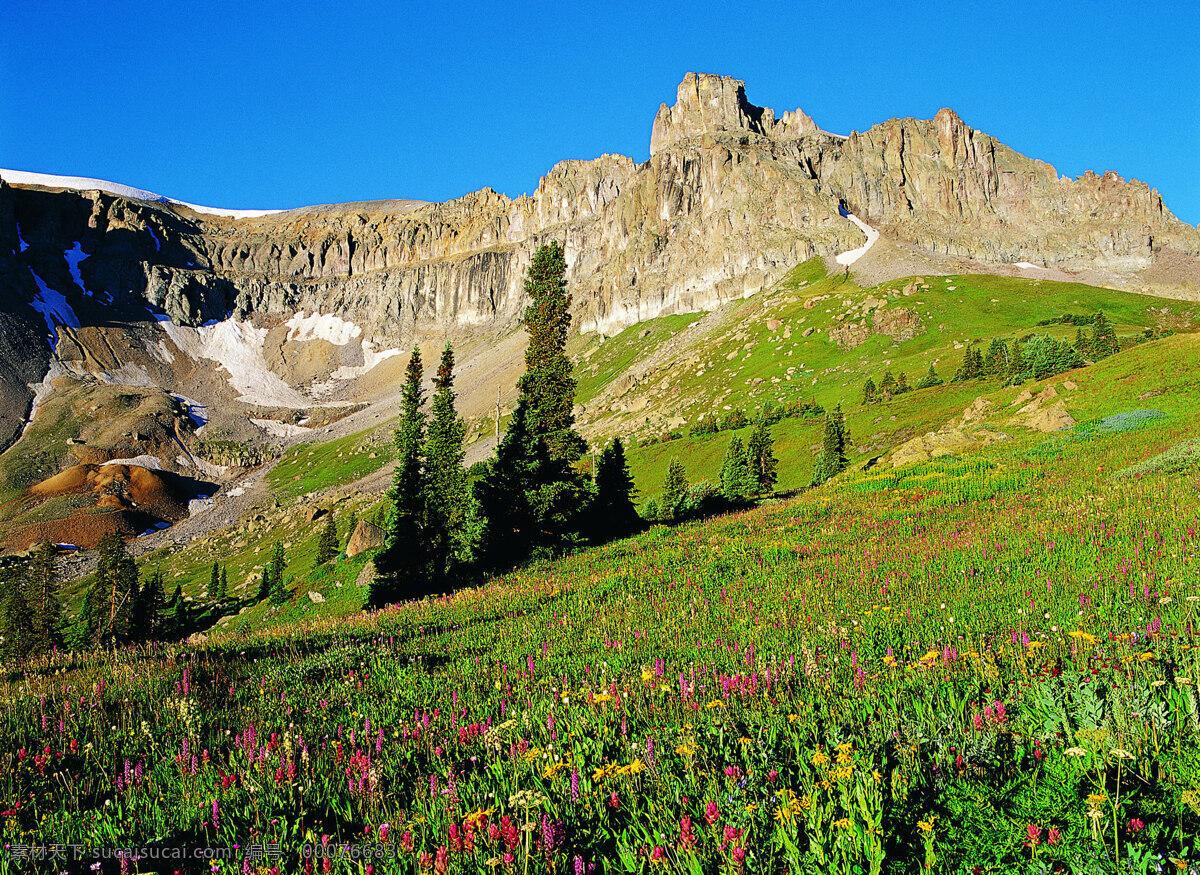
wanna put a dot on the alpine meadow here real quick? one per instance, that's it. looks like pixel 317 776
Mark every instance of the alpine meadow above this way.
pixel 783 503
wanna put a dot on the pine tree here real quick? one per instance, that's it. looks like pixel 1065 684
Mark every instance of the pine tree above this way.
pixel 930 379
pixel 547 385
pixel 445 478
pixel 832 460
pixel 150 605
pixel 737 478
pixel 1016 363
pixel 280 594
pixel 110 601
pixel 902 383
pixel 997 358
pixel 16 619
pixel 870 393
pixel 327 544
pixel 675 489
pixel 264 585
pixel 223 592
pixel 613 510
pixel 41 594
pixel 1104 337
pixel 214 582
pixel 351 525
pixel 400 565
pixel 887 386
pixel 760 453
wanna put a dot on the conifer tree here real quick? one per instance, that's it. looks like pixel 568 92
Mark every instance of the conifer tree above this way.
pixel 16 619
pixel 930 379
pixel 41 594
pixel 279 591
pixel 214 582
pixel 110 601
pixel 760 453
pixel 264 585
pixel 445 478
pixel 870 393
pixel 997 358
pixel 887 386
pixel 547 385
pixel 832 460
pixel 223 592
pixel 400 565
pixel 1016 363
pixel 675 489
pixel 1104 337
pixel 351 525
pixel 150 605
pixel 737 478
pixel 902 383
pixel 613 509
pixel 327 544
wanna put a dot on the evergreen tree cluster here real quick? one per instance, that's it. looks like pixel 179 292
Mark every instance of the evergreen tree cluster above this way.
pixel 30 611
pixel 530 500
pixel 889 387
pixel 832 459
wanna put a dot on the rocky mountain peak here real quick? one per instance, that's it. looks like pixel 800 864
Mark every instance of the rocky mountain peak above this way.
pixel 706 103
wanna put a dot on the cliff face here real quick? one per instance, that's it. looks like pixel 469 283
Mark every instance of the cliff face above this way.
pixel 730 199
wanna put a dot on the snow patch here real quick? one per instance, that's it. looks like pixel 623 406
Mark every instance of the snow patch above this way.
pixel 280 429
pixel 43 389
pixel 1025 265
pixel 196 412
pixel 370 359
pixel 154 237
pixel 322 326
pixel 238 348
pixel 73 256
pixel 850 256
pixel 54 308
pixel 21 240
pixel 152 463
pixel 84 183
pixel 159 351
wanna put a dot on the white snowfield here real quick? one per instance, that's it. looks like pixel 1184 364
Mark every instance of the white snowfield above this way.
pixel 322 326
pixel 1025 265
pixel 83 183
pixel 54 308
pixel 850 256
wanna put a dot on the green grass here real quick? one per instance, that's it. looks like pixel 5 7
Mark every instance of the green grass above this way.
pixel 314 466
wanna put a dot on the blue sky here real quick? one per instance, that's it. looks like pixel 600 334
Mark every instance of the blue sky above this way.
pixel 279 104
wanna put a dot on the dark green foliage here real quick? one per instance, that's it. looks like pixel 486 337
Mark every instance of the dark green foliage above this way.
pixel 613 511
pixel 675 489
pixel 214 582
pixel 150 603
pixel 931 379
pixel 223 592
pixel 547 386
pixel 972 367
pixel 41 594
pixel 1104 338
pixel 902 384
pixel 737 477
pixel 16 619
pixel 1043 357
pixel 887 386
pixel 280 594
pixel 445 479
pixel 705 425
pixel 327 545
pixel 401 565
pixel 760 455
pixel 996 361
pixel 870 393
pixel 733 420
pixel 832 460
pixel 108 607
pixel 351 525
pixel 528 504
pixel 1016 363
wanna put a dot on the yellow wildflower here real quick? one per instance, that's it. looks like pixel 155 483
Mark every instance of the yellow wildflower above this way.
pixel 819 758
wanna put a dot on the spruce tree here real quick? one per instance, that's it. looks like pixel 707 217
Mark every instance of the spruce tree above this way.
pixel 1016 363
pixel 400 565
pixel 41 594
pixel 887 386
pixel 902 383
pixel 110 601
pixel 870 393
pixel 547 385
pixel 327 544
pixel 264 585
pixel 16 619
pixel 832 460
pixel 223 592
pixel 150 607
pixel 614 513
pixel 675 489
pixel 760 453
pixel 445 478
pixel 214 582
pixel 997 358
pixel 930 379
pixel 737 478
pixel 279 591
pixel 1104 337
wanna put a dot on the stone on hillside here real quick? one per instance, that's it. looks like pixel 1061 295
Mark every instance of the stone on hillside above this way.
pixel 315 597
pixel 365 536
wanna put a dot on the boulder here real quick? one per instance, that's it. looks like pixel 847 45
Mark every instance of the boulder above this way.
pixel 364 537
